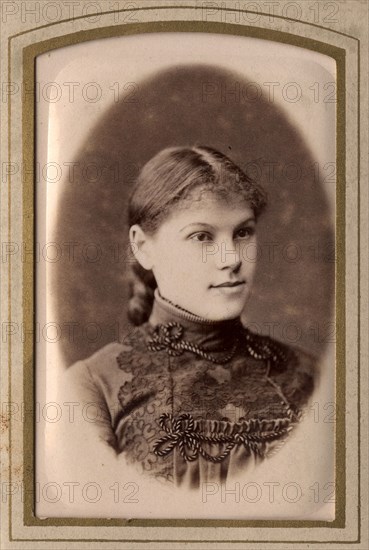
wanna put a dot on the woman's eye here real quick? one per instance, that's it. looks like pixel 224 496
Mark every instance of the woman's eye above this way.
pixel 245 232
pixel 201 237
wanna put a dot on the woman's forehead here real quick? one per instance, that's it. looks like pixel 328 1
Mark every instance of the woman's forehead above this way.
pixel 211 201
pixel 213 211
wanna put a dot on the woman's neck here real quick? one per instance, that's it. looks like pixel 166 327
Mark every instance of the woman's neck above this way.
pixel 181 311
pixel 215 335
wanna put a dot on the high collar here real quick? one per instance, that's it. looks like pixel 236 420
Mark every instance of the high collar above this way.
pixel 212 335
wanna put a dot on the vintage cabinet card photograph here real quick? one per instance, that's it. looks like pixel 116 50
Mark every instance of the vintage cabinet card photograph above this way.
pixel 184 269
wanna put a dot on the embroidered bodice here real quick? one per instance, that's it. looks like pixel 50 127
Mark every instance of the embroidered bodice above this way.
pixel 190 400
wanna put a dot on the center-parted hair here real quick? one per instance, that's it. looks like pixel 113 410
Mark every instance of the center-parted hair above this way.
pixel 172 176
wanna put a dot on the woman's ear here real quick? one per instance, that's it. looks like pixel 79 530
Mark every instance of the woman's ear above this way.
pixel 140 246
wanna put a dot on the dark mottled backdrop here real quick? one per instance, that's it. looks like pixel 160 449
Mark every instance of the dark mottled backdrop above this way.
pixel 291 298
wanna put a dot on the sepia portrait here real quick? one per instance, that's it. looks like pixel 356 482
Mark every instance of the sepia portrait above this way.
pixel 187 297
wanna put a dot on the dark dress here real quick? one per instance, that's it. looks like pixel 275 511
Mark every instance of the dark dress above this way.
pixel 188 400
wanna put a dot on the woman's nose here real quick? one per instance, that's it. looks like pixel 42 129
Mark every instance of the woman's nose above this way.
pixel 229 255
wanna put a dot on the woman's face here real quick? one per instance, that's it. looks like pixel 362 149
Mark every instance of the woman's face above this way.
pixel 203 257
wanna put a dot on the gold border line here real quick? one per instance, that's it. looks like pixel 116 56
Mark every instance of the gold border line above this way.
pixel 359 294
pixel 29 55
pixel 9 297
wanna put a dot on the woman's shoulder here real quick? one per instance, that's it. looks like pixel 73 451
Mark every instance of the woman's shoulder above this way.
pixel 97 377
pixel 106 359
pixel 294 369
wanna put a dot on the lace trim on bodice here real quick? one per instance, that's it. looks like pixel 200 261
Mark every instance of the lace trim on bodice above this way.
pixel 264 385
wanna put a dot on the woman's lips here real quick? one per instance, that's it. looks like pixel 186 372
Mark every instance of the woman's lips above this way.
pixel 229 284
pixel 228 289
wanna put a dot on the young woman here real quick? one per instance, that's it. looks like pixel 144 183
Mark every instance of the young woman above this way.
pixel 190 394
